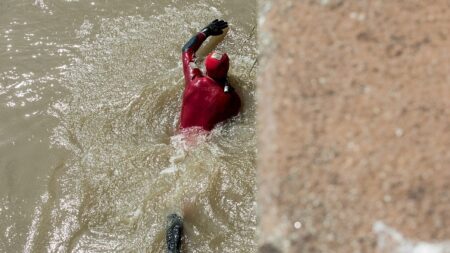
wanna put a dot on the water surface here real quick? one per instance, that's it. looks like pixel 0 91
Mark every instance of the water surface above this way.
pixel 90 156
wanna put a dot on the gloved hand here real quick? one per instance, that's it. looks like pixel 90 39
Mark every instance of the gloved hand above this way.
pixel 215 27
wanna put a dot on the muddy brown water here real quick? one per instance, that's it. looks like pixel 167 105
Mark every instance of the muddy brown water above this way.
pixel 90 160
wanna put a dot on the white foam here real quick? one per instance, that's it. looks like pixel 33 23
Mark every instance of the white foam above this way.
pixel 182 143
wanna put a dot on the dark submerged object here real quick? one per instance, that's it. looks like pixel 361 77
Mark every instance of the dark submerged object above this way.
pixel 174 233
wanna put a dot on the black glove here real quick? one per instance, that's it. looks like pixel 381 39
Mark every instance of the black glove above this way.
pixel 215 27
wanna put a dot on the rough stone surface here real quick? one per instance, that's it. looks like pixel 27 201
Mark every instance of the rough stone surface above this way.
pixel 353 123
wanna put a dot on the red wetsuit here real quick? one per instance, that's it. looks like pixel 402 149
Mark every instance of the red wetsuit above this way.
pixel 204 101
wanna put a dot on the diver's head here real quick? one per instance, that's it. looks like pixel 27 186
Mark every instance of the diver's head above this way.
pixel 217 64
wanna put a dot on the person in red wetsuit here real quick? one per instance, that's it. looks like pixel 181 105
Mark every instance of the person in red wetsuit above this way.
pixel 207 99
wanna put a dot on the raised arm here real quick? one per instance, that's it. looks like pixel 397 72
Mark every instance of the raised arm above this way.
pixel 190 69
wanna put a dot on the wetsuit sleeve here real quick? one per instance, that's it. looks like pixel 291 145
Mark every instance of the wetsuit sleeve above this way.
pixel 235 102
pixel 190 69
pixel 232 109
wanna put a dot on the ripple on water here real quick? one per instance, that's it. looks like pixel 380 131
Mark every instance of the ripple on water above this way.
pixel 130 169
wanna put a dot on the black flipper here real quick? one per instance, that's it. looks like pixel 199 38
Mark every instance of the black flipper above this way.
pixel 174 233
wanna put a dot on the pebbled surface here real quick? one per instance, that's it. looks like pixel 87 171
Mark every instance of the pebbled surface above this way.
pixel 353 123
